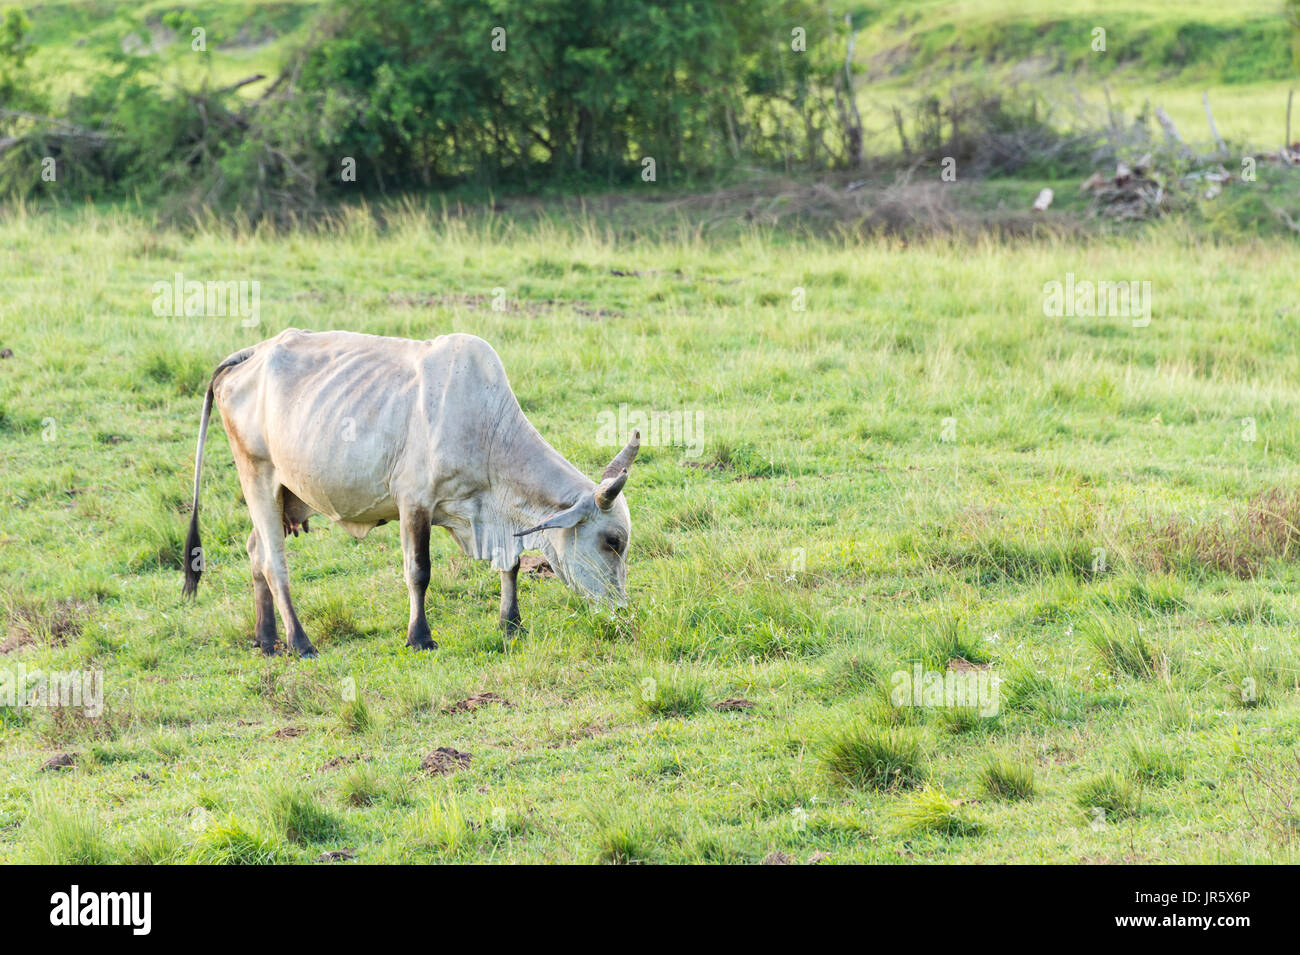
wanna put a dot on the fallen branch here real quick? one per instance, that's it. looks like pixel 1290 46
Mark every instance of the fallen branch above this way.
pixel 257 77
pixel 1218 140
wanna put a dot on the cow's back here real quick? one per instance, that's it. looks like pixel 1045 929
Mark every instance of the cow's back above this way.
pixel 350 420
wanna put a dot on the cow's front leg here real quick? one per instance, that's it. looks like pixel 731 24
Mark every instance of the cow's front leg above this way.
pixel 510 622
pixel 415 561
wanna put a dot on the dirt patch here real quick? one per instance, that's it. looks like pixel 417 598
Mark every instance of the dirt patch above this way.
pixel 587 730
pixel 288 732
pixel 537 565
pixel 959 665
pixel 1056 756
pixel 880 206
pixel 52 625
pixel 818 857
pixel 472 703
pixel 777 858
pixel 444 761
pixel 338 855
pixel 732 704
pixel 59 761
pixel 334 762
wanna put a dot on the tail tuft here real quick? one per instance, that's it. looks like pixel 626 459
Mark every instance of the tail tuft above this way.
pixel 193 556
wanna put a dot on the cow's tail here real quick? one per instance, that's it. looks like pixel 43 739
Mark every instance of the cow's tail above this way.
pixel 193 545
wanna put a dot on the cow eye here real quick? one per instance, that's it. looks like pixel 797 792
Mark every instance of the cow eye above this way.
pixel 614 543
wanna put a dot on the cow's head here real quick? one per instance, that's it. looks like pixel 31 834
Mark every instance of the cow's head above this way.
pixel 587 543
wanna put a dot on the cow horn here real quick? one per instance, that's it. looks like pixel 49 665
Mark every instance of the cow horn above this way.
pixel 623 460
pixel 566 518
pixel 608 490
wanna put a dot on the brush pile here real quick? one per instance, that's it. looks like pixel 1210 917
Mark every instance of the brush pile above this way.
pixel 1134 192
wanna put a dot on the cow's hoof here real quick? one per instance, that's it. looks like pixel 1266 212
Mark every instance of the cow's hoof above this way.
pixel 512 628
pixel 269 649
pixel 307 652
pixel 422 643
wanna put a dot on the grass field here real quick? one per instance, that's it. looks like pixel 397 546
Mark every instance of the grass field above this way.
pixel 919 468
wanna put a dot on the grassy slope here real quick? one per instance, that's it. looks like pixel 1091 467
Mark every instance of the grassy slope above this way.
pixel 1070 434
pixel 1165 53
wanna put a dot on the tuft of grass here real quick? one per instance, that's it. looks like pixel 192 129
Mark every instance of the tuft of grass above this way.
pixel 61 837
pixel 145 656
pixel 675 694
pixel 356 717
pixel 185 372
pixel 333 621
pixel 949 640
pixel 299 817
pixel 157 846
pixel 929 810
pixel 870 757
pixel 442 826
pixel 50 624
pixel 854 669
pixel 1004 779
pixel 361 786
pixel 1122 648
pixel 233 841
pixel 691 519
pixel 293 693
pixel 620 837
pixel 1110 793
pixel 1152 762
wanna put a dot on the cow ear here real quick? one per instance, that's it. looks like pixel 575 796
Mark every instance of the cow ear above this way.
pixel 609 489
pixel 623 460
pixel 566 518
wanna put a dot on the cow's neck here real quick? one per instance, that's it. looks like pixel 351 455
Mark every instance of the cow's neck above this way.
pixel 532 481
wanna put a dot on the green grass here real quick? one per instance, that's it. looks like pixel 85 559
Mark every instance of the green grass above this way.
pixel 1005 779
pixel 299 817
pixel 873 758
pixel 1108 796
pixel 673 694
pixel 839 540
pixel 931 811
pixel 234 841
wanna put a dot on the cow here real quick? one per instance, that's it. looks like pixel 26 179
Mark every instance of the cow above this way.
pixel 365 430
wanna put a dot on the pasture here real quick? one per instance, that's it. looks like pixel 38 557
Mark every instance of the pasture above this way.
pixel 919 467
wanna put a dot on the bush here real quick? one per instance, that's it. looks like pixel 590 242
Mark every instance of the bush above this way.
pixel 408 94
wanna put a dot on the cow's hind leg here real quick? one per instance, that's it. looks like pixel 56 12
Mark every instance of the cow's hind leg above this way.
pixel 415 563
pixel 509 620
pixel 264 630
pixel 262 494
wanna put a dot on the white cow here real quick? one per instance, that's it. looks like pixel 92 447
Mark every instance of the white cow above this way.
pixel 366 430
